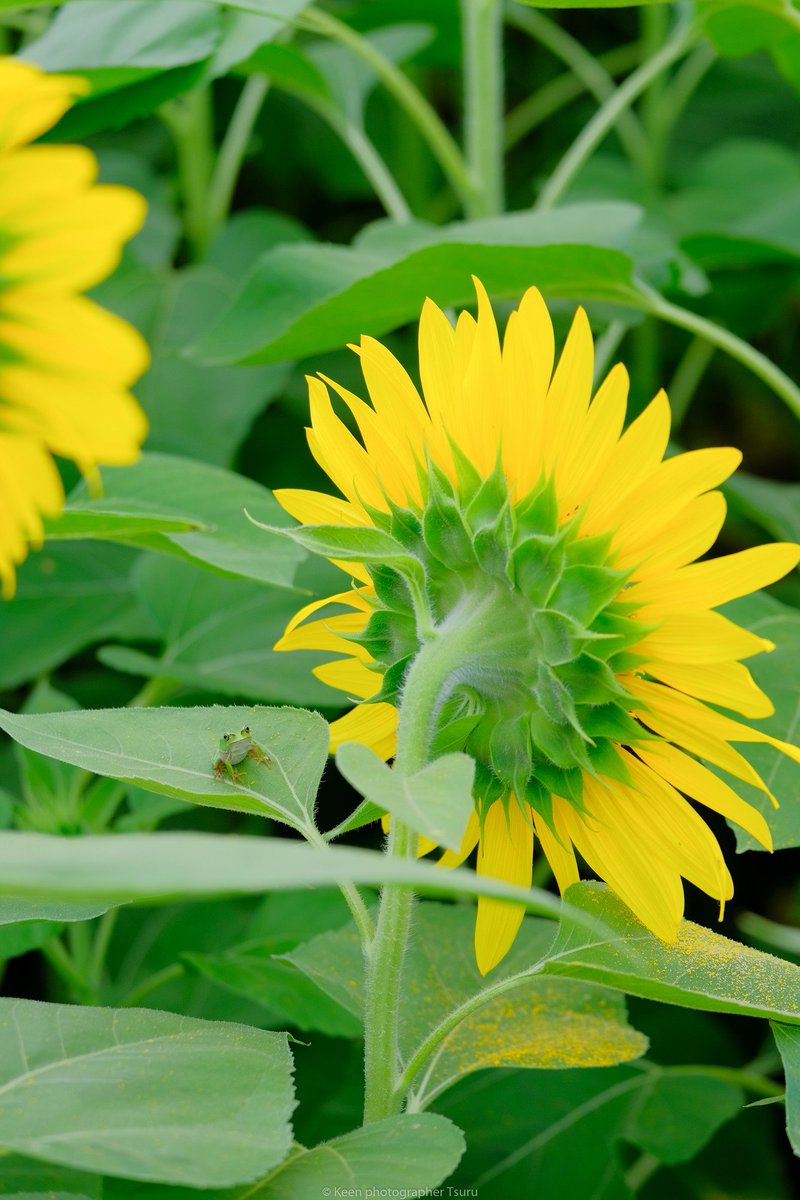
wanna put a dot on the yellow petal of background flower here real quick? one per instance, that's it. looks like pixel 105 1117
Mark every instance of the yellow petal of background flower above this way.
pixel 373 725
pixel 506 852
pixel 31 102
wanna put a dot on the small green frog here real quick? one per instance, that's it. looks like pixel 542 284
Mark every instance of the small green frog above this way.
pixel 234 748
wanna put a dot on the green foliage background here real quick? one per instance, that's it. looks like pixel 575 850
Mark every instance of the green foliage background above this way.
pixel 306 184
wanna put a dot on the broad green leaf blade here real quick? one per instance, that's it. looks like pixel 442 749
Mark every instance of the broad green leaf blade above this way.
pixel 436 802
pixel 773 505
pixel 104 521
pixel 767 617
pixel 30 935
pixel 126 33
pixel 787 1040
pixel 358 544
pixel 156 867
pixel 214 499
pixel 560 1131
pixel 301 300
pixel 286 995
pixel 217 634
pixel 700 970
pixel 409 1155
pixel 173 751
pixel 14 909
pixel 530 1023
pixel 151 1095
pixel 28 1179
pixel 68 597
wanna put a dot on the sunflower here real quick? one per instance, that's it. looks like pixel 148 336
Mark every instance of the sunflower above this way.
pixel 65 364
pixel 561 551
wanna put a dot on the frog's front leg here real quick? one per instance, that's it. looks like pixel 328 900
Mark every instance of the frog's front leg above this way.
pixel 258 755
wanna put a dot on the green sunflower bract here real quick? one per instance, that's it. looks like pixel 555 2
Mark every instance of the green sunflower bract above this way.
pixel 553 554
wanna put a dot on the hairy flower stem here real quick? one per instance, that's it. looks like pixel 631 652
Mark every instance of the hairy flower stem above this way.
pixel 425 689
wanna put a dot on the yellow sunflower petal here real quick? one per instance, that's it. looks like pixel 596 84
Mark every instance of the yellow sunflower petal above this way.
pixel 584 462
pixel 701 637
pixel 506 852
pixel 31 102
pixel 527 365
pixel 339 454
pixel 691 777
pixel 351 676
pixel 482 419
pixel 691 533
pixel 631 865
pixel 728 684
pixel 385 444
pixel 394 396
pixel 709 584
pixel 685 841
pixel 352 598
pixel 315 508
pixel 636 455
pixel 569 392
pixel 373 725
pixel 472 833
pixel 559 854
pixel 656 502
pixel 329 634
pixel 437 368
pixel 696 728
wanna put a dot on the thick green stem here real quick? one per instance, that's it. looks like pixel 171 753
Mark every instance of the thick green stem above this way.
pixel 426 688
pixel 608 114
pixel 482 31
pixel 655 28
pixel 438 138
pixel 233 150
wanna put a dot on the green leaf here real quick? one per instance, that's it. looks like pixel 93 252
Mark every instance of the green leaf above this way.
pixel 217 634
pixel 30 935
pixel 17 909
pixel 530 1023
pixel 126 33
pixel 700 970
pixel 173 751
pixel 409 1155
pixel 68 597
pixel 787 1040
pixel 355 544
pixel 301 300
pixel 27 1179
pixel 151 1095
pixel 436 802
pixel 772 505
pixel 154 867
pixel 211 498
pixel 172 309
pixel 559 1132
pixel 101 519
pixel 767 617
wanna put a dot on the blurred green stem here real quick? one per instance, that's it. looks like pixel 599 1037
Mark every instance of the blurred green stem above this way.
pixel 442 145
pixel 654 32
pixel 742 351
pixel 688 373
pixel 358 909
pixel 588 71
pixel 558 92
pixel 482 33
pixel 190 121
pixel 151 984
pixel 233 150
pixel 102 939
pixel 607 115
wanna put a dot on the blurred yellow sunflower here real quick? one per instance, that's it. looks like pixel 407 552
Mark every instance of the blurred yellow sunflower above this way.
pixel 65 364
pixel 589 696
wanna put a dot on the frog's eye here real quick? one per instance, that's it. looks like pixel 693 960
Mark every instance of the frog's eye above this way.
pixel 227 737
pixel 246 730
